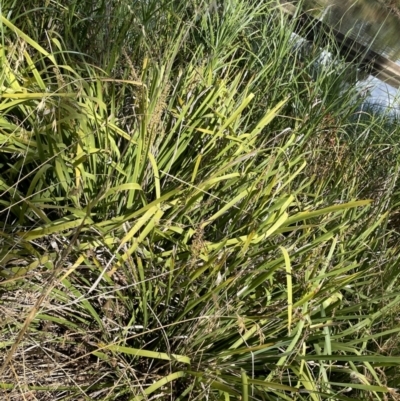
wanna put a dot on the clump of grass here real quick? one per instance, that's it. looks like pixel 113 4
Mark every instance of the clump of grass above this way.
pixel 186 213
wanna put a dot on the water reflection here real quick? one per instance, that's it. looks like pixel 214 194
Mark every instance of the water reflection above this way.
pixel 372 25
pixel 367 20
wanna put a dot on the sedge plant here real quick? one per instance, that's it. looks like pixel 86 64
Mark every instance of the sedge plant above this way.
pixel 186 212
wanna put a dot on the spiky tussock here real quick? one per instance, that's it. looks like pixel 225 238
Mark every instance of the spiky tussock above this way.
pixel 193 208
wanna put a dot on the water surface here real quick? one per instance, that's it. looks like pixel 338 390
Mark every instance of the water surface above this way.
pixel 371 24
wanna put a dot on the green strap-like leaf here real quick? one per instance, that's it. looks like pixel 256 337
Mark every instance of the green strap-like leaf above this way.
pixel 147 354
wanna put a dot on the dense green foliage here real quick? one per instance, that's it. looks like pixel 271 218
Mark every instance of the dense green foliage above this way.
pixel 193 206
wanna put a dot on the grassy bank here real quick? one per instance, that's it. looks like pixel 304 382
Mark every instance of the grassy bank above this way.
pixel 193 207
